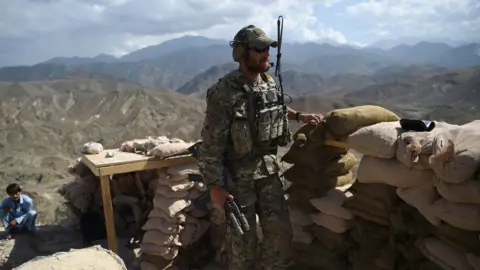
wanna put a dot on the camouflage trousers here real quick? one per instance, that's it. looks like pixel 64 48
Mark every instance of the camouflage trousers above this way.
pixel 264 197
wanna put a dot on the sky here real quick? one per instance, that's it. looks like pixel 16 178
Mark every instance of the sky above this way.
pixel 32 31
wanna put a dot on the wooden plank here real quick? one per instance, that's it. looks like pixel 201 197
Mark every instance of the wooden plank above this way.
pixel 90 165
pixel 146 165
pixel 108 213
pixel 119 157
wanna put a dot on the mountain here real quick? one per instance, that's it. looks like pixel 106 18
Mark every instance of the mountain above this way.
pixel 174 64
pixel 43 124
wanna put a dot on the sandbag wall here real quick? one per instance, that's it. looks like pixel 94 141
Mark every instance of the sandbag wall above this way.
pixel 319 176
pixel 415 200
pixel 174 222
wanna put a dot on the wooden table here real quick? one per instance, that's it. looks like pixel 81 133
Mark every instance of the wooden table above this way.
pixel 122 162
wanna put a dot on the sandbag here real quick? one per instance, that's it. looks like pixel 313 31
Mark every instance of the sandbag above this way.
pixel 414 148
pixel 391 172
pixel 300 234
pixel 176 184
pixel 456 153
pixel 312 178
pixel 333 241
pixel 183 169
pixel 170 206
pixel 474 261
pixel 167 192
pixel 342 122
pixel 466 192
pixel 421 197
pixel 378 140
pixel 463 216
pixel 299 217
pixel 311 154
pixel 331 204
pixel 443 255
pixel 159 213
pixel 159 238
pixel 333 223
pixel 162 225
pixel 167 252
pixel 169 149
pixel 92 258
pixel 339 166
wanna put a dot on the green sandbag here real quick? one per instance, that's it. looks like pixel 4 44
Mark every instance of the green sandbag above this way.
pixel 336 242
pixel 342 122
pixel 311 154
pixel 312 178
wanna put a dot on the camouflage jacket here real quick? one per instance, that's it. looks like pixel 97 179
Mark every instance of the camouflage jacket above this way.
pixel 225 100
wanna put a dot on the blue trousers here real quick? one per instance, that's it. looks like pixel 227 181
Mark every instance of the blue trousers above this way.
pixel 28 223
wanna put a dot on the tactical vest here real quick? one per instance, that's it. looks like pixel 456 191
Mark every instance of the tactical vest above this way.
pixel 262 125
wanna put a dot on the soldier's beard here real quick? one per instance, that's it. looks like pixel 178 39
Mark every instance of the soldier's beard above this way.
pixel 258 66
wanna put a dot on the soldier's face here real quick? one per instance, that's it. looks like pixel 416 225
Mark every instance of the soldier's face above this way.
pixel 259 59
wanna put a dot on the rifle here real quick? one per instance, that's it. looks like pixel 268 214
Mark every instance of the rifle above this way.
pixel 236 217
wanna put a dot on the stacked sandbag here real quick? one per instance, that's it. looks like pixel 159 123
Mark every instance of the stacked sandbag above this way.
pixel 455 160
pixel 80 190
pixel 433 173
pixel 174 222
pixel 92 258
pixel 316 170
pixel 161 147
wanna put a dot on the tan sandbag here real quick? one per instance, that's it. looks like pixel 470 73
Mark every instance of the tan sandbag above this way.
pixel 340 166
pixel 333 223
pixel 331 204
pixel 391 172
pixel 443 255
pixel 421 197
pixel 474 261
pixel 466 192
pixel 162 225
pixel 167 252
pixel 161 239
pixel 456 153
pixel 414 148
pixel 184 169
pixel 169 149
pixel 167 192
pixel 300 234
pixel 177 185
pixel 193 232
pixel 463 216
pixel 378 140
pixel 342 122
pixel 299 217
pixel 170 206
pixel 159 213
pixel 92 258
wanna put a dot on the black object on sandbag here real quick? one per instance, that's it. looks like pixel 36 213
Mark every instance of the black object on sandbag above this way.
pixel 417 125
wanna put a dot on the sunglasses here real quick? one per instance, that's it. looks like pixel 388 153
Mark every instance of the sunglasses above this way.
pixel 258 50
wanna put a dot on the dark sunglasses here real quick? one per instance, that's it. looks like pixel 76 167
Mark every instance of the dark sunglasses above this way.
pixel 257 50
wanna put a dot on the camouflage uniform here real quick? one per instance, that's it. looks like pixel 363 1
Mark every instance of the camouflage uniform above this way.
pixel 251 159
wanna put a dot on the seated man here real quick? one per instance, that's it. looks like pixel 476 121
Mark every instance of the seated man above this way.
pixel 17 211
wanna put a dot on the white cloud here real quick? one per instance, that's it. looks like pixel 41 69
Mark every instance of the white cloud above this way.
pixel 89 27
pixel 420 17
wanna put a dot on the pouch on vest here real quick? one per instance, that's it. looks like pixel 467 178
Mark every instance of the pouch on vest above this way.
pixel 240 132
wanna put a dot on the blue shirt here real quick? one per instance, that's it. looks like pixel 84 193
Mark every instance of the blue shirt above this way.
pixel 19 208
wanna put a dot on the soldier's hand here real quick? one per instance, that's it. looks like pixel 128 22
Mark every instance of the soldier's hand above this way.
pixel 308 118
pixel 218 195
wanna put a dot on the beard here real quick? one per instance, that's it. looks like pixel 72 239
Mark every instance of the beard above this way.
pixel 258 66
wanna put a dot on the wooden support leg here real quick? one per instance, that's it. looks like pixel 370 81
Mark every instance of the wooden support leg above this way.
pixel 108 212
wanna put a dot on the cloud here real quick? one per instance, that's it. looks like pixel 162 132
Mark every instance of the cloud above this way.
pixel 49 28
pixel 440 18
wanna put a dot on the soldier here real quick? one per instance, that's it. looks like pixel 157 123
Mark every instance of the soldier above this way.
pixel 242 129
